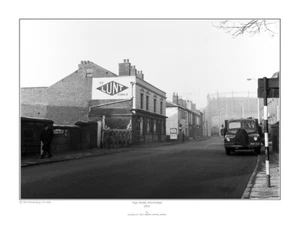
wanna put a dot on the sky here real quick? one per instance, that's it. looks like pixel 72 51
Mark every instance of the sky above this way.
pixel 189 57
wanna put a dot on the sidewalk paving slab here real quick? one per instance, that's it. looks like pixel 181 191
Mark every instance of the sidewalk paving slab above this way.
pixel 257 187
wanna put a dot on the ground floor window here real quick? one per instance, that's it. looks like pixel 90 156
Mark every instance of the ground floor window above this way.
pixel 148 126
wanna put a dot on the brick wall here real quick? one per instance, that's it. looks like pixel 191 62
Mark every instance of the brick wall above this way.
pixel 66 138
pixel 67 115
pixel 33 102
pixel 34 110
pixel 34 95
pixel 68 100
pixel 73 90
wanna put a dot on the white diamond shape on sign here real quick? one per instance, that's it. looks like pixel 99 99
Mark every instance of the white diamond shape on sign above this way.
pixel 112 88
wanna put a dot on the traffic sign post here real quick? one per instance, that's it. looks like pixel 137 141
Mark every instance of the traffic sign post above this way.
pixel 267 88
pixel 266 132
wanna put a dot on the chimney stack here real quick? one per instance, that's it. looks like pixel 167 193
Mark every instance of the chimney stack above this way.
pixel 140 75
pixel 175 98
pixel 133 71
pixel 84 64
pixel 180 101
pixel 124 68
pixel 189 104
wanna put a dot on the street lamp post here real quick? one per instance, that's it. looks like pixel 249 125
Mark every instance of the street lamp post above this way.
pixel 242 108
pixel 258 117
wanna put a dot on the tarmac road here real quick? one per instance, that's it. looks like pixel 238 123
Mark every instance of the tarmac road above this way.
pixel 191 170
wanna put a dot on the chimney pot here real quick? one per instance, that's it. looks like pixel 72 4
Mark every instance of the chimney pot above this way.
pixel 124 60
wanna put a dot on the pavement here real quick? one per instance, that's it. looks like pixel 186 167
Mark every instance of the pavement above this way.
pixel 256 189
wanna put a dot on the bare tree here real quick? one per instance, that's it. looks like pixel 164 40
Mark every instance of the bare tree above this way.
pixel 252 27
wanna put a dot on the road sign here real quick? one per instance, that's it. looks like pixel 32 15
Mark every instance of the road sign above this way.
pixel 272 88
pixel 271 93
pixel 173 133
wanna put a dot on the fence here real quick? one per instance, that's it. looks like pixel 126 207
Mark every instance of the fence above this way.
pixel 116 138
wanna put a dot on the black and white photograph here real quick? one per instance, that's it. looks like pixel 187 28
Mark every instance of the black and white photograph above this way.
pixel 150 109
pixel 149 112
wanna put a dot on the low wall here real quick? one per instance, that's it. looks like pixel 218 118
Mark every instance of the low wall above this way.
pixel 66 137
pixel 93 134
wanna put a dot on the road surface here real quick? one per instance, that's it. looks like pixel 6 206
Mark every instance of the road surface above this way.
pixel 190 170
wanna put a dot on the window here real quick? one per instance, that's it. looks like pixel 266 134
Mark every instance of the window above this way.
pixel 147 102
pixel 89 72
pixel 142 100
pixel 241 124
pixel 154 102
pixel 161 107
pixel 182 114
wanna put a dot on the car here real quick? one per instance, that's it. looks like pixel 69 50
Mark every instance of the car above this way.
pixel 242 134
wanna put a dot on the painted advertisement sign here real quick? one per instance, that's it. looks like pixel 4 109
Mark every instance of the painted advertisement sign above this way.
pixel 112 88
pixel 173 133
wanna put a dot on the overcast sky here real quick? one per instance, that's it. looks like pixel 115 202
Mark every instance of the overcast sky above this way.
pixel 190 57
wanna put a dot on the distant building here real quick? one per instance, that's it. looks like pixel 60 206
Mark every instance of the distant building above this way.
pixel 183 118
pixel 223 106
pixel 92 93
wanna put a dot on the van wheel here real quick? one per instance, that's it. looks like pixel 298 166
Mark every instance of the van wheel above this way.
pixel 227 150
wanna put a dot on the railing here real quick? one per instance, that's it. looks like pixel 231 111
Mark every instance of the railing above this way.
pixel 116 138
